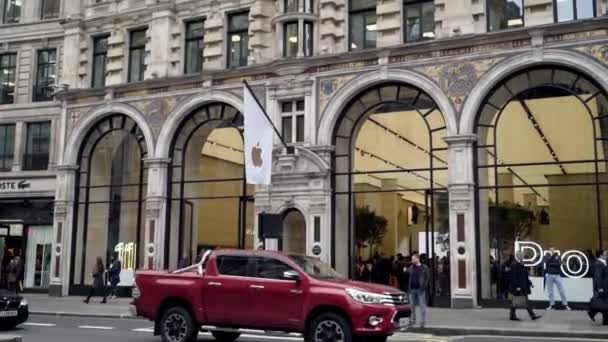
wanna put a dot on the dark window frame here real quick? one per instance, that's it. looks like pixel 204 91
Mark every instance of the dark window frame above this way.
pixel 420 4
pixel 365 13
pixel 142 56
pixel 7 148
pixel 50 15
pixel 244 40
pixel 99 54
pixel 574 11
pixel 36 156
pixel 199 40
pixel 523 17
pixel 11 70
pixel 13 18
pixel 43 85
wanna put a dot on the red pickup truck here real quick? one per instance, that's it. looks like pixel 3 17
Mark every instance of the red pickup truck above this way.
pixel 229 291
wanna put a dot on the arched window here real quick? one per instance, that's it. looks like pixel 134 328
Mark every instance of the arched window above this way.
pixel 110 192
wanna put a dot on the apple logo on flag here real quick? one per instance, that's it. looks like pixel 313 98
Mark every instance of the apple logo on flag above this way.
pixel 256 156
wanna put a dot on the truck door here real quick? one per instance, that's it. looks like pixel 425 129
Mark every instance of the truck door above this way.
pixel 228 294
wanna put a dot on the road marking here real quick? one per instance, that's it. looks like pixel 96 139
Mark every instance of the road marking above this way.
pixel 94 327
pixel 40 324
pixel 144 330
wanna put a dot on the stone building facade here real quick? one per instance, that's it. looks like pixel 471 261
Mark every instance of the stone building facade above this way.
pixel 310 54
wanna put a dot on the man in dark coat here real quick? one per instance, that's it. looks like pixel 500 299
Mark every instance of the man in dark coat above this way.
pixel 419 279
pixel 114 274
pixel 600 285
pixel 520 285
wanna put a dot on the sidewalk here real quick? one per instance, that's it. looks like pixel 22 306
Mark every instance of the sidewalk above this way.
pixel 447 322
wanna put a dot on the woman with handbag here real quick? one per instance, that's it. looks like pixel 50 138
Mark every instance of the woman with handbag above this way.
pixel 520 288
pixel 99 285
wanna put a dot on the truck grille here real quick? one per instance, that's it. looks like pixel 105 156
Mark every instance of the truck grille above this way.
pixel 396 299
pixel 9 304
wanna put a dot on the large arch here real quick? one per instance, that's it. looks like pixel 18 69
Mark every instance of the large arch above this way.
pixel 94 116
pixel 338 103
pixel 488 81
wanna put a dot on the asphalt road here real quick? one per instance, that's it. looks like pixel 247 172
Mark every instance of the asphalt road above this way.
pixel 67 329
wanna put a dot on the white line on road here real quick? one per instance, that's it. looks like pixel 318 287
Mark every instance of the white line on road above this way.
pixel 94 327
pixel 40 324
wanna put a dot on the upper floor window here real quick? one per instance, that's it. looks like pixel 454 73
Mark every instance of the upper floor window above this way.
pixel 566 10
pixel 137 55
pixel 505 14
pixel 294 44
pixel 7 147
pixel 100 54
pixel 238 39
pixel 292 121
pixel 12 11
pixel 37 146
pixel 419 18
pixel 50 9
pixel 290 6
pixel 194 46
pixel 8 69
pixel 45 75
pixel 362 30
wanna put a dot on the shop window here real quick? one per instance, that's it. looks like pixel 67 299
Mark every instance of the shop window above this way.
pixel 46 72
pixel 195 32
pixel 137 55
pixel 12 11
pixel 533 189
pixel 292 121
pixel 100 55
pixel 419 20
pixel 362 30
pixel 8 69
pixel 238 39
pixel 7 147
pixel 36 155
pixel 50 9
pixel 505 14
pixel 567 10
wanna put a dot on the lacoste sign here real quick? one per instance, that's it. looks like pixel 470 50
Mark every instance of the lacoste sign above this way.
pixel 14 185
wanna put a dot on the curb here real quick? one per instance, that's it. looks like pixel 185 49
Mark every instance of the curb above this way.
pixel 477 331
pixel 86 315
pixel 10 338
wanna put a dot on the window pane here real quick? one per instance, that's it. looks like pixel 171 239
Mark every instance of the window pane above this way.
pixel 100 50
pixel 239 22
pixel 300 128
pixel 195 29
pixel 271 268
pixel 584 9
pixel 194 47
pixel 291 39
pixel 412 22
pixel 232 265
pixel 291 6
pixel 136 67
pixel 50 9
pixel 287 107
pixel 370 30
pixel 505 14
pixel 12 11
pixel 565 10
pixel 308 39
pixel 428 20
pixel 7 78
pixel 356 5
pixel 357 29
pixel 138 38
pixel 300 105
pixel 7 143
pixel 37 146
pixel 45 75
pixel 287 128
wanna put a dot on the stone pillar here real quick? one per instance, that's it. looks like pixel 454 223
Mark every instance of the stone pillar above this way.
pixel 333 26
pixel 390 22
pixel 156 213
pixel 159 31
pixel 463 237
pixel 71 54
pixel 456 17
pixel 63 228
pixel 19 147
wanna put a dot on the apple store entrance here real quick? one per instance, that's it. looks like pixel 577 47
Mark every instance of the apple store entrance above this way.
pixel 210 206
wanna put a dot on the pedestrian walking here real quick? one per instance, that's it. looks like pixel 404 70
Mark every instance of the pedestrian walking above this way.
pixel 520 288
pixel 553 278
pixel 419 277
pixel 98 285
pixel 114 274
pixel 599 302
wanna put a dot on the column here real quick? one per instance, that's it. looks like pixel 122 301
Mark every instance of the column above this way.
pixel 63 227
pixel 463 237
pixel 19 147
pixel 71 54
pixel 156 253
pixel 158 47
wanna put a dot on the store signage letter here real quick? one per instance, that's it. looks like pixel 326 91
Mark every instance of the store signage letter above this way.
pixel 533 255
pixel 14 185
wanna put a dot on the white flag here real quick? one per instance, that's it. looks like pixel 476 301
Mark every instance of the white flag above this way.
pixel 258 141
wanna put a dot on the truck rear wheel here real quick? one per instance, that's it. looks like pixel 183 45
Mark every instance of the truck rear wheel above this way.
pixel 177 325
pixel 329 327
pixel 225 336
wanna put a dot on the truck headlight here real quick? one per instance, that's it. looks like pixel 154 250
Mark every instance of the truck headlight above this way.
pixel 23 302
pixel 367 297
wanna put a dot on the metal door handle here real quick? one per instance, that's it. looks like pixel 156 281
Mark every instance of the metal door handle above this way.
pixel 257 287
pixel 212 283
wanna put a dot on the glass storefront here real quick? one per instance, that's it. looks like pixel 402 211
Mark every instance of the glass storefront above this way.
pixel 541 175
pixel 110 197
pixel 211 204
pixel 390 165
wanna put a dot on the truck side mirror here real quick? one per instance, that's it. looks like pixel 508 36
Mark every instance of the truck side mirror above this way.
pixel 291 275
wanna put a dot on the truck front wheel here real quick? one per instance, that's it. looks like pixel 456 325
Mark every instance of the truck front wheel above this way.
pixel 225 336
pixel 177 325
pixel 330 327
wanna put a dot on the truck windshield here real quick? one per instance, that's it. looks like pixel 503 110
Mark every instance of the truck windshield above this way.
pixel 315 267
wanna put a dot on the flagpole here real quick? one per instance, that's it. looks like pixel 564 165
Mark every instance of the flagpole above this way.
pixel 290 149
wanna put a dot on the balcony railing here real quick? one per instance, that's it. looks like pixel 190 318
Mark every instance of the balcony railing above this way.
pixel 35 161
pixel 43 92
pixel 6 162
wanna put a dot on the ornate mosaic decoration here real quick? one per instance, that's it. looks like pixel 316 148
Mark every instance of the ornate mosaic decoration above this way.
pixel 599 52
pixel 329 86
